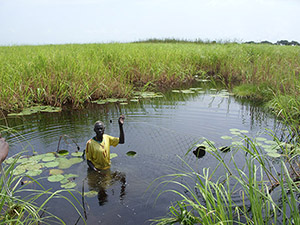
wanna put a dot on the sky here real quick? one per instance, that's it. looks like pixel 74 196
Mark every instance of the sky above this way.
pixel 37 22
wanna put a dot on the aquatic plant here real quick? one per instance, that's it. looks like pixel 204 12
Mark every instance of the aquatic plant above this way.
pixel 25 205
pixel 264 191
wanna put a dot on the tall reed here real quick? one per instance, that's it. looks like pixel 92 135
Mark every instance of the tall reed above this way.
pixel 60 74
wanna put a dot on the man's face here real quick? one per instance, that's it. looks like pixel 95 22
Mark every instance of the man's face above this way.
pixel 99 129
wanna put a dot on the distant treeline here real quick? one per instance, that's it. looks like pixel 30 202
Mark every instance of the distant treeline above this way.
pixel 200 41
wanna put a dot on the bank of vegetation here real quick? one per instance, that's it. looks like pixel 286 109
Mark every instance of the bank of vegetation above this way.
pixel 75 73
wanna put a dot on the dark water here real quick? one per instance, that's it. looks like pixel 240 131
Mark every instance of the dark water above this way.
pixel 159 130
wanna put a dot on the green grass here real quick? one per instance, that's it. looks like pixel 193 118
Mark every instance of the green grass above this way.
pixel 267 189
pixel 78 73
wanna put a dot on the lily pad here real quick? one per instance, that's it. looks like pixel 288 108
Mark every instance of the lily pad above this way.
pixel 90 194
pixel 18 171
pixel 48 158
pixel 55 172
pixel 234 130
pixel 244 131
pixel 235 133
pixel 36 109
pixel 55 178
pixel 187 91
pixel 51 164
pixel 175 91
pixel 226 137
pixel 77 154
pixel 10 160
pixel 270 142
pixel 131 153
pixel 34 173
pixel 63 152
pixel 69 185
pixel 273 154
pixel 113 155
pixel 75 160
pixel 237 143
pixel 260 139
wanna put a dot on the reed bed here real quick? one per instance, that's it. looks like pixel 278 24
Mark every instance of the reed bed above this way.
pixel 78 73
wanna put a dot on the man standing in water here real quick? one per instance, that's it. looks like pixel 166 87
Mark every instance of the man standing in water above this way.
pixel 98 148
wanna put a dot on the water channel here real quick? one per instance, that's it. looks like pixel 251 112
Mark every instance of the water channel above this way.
pixel 159 130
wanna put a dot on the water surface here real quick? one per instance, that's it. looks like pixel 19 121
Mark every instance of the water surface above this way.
pixel 160 131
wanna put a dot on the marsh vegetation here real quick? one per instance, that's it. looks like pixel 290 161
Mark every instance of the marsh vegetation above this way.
pixel 267 184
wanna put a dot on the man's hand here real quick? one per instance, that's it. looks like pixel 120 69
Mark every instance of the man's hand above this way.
pixel 121 120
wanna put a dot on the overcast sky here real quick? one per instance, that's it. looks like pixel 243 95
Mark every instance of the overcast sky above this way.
pixel 98 21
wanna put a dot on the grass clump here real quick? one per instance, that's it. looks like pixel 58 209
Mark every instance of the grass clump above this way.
pixel 263 191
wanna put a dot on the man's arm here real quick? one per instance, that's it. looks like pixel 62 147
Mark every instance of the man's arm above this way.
pixel 122 136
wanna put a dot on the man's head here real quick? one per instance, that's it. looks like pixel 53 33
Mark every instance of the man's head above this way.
pixel 99 128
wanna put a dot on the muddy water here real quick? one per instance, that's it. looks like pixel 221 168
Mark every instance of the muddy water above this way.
pixel 160 131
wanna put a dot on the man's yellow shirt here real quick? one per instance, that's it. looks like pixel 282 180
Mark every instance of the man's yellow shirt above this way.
pixel 99 153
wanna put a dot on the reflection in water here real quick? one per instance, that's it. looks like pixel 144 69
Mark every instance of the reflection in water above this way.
pixel 100 181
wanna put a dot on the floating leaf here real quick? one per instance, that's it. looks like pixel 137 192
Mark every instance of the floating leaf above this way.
pixel 63 152
pixel 10 160
pixel 55 178
pixel 90 194
pixel 18 171
pixel 51 164
pixel 175 91
pixel 113 155
pixel 34 173
pixel 187 91
pixel 69 185
pixel 260 139
pixel 48 158
pixel 55 171
pixel 77 154
pixel 131 153
pixel 273 154
pixel 75 160
pixel 70 175
pixel 237 143
pixel 226 137
pixel 270 142
pixel 235 133
pixel 234 130
pixel 244 131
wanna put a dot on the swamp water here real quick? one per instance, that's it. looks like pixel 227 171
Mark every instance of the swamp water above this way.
pixel 161 131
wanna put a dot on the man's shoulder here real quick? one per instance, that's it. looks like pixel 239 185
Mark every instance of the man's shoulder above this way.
pixel 89 141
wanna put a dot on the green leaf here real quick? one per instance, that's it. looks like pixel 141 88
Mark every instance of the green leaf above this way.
pixel 273 154
pixel 226 137
pixel 48 159
pixel 55 171
pixel 131 153
pixel 77 154
pixel 63 152
pixel 55 178
pixel 34 173
pixel 51 164
pixel 90 194
pixel 69 185
pixel 113 155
